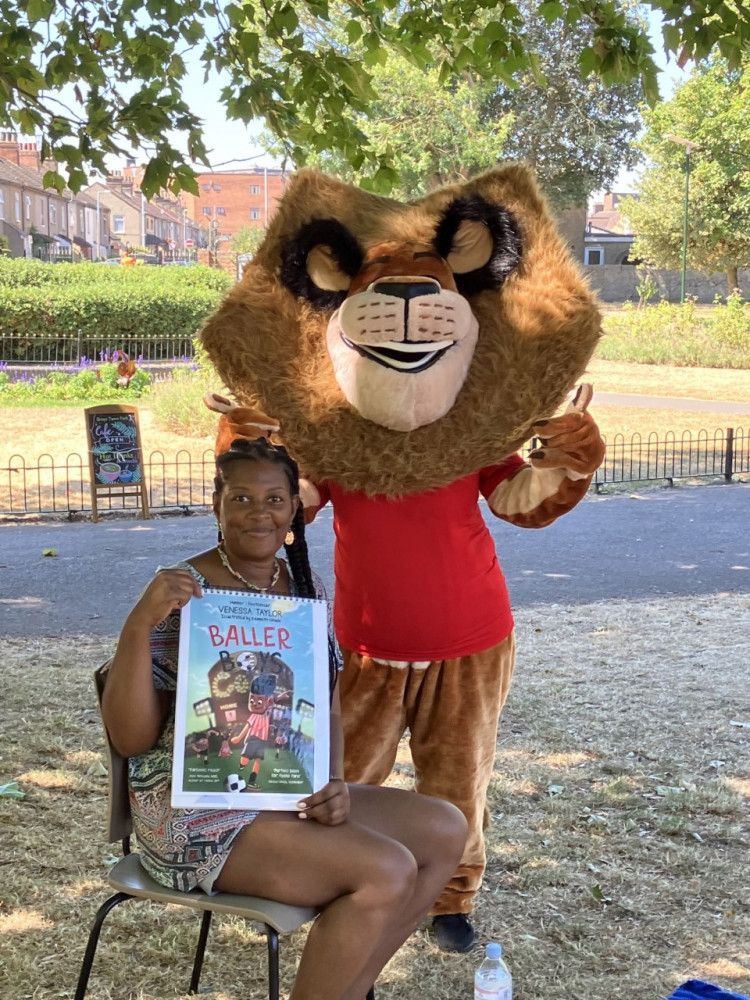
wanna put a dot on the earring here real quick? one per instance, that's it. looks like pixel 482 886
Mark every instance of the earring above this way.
pixel 220 536
pixel 289 537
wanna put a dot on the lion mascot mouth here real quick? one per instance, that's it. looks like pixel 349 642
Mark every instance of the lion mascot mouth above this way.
pixel 401 346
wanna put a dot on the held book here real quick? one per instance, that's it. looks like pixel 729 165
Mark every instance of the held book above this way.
pixel 252 710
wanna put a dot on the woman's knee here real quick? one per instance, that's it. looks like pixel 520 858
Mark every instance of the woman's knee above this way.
pixel 445 826
pixel 391 876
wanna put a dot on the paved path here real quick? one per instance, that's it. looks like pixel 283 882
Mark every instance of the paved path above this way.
pixel 669 403
pixel 684 541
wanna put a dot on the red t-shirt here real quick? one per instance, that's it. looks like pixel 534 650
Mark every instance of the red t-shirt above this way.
pixel 417 578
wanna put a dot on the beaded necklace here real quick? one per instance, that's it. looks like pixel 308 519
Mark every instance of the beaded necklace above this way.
pixel 238 576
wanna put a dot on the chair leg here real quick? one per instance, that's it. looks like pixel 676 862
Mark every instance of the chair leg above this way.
pixel 88 958
pixel 200 951
pixel 272 939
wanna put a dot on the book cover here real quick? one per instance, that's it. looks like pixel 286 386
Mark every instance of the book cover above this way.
pixel 252 704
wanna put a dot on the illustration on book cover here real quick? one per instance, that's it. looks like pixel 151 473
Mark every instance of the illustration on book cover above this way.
pixel 252 703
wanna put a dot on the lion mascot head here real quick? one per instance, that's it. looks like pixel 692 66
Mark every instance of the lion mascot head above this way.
pixel 403 346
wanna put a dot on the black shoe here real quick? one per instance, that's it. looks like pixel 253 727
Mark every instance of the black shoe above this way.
pixel 454 932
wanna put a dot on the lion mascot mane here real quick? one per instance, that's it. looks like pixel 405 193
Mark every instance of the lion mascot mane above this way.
pixel 406 352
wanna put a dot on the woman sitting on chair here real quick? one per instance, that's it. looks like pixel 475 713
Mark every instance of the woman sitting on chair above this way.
pixel 372 859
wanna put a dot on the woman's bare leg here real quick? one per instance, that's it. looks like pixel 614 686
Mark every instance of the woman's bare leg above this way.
pixel 374 876
pixel 434 833
pixel 358 879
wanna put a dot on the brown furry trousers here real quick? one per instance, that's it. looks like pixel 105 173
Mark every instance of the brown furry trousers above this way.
pixel 451 710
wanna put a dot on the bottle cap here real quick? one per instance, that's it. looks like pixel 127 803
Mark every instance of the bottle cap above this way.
pixel 494 950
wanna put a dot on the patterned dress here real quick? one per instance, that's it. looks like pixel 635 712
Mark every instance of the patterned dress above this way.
pixel 181 847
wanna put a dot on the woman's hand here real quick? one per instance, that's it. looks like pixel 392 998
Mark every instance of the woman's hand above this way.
pixel 169 591
pixel 329 806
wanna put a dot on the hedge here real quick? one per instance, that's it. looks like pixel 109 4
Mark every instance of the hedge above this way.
pixel 141 310
pixel 22 272
pixel 34 321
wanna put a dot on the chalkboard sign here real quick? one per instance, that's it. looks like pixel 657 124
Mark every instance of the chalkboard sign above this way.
pixel 115 457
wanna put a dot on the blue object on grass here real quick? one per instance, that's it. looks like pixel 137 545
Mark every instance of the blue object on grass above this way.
pixel 694 989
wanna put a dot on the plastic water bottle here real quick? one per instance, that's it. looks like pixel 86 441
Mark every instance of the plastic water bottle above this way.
pixel 492 980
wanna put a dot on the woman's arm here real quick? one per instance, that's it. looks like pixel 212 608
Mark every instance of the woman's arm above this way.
pixel 132 709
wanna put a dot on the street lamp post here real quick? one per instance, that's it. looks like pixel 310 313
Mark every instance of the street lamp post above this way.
pixel 689 147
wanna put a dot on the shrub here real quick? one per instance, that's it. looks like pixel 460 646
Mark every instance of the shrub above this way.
pixel 667 334
pixel 21 272
pixel 730 324
pixel 177 402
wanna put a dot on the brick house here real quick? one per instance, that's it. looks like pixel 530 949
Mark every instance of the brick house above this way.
pixel 159 225
pixel 231 199
pixel 39 221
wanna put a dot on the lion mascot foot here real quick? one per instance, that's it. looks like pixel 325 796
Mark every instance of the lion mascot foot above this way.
pixel 454 932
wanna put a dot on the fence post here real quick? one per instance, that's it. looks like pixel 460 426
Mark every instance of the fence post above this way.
pixel 79 341
pixel 729 456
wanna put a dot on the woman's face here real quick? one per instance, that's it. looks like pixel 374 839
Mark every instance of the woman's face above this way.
pixel 254 508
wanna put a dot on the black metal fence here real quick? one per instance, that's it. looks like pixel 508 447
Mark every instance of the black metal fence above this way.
pixel 79 348
pixel 185 481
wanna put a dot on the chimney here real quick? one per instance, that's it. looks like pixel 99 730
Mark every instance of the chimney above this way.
pixel 23 154
pixel 9 146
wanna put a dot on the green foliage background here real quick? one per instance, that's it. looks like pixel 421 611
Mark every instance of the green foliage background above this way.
pixel 710 110
pixel 667 334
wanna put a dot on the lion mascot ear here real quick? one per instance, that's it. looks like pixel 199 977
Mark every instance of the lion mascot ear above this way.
pixel 237 422
pixel 403 346
pixel 481 243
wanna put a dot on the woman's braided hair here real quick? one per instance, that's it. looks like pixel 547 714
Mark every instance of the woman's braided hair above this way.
pixel 261 450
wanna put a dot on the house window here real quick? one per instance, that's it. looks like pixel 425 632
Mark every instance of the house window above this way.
pixel 72 219
pixel 2 204
pixel 221 211
pixel 254 213
pixel 64 216
pixel 118 222
pixel 594 256
pixel 149 225
pixel 254 189
pixel 27 206
pixel 206 211
pixel 17 206
pixel 52 215
pixel 42 216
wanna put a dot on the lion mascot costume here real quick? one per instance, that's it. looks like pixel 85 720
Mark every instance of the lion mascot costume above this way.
pixel 405 352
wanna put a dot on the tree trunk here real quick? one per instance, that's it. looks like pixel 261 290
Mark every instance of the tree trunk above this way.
pixel 732 280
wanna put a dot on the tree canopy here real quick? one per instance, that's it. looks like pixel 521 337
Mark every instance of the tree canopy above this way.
pixel 576 133
pixel 108 75
pixel 710 111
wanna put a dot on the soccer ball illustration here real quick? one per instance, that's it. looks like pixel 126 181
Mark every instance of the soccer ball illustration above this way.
pixel 234 783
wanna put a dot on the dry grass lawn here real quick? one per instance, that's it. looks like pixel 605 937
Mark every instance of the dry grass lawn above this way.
pixel 617 855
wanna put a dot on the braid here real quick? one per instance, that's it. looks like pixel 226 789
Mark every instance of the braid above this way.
pixel 298 558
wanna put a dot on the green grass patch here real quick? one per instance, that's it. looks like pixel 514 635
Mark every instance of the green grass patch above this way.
pixel 667 334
